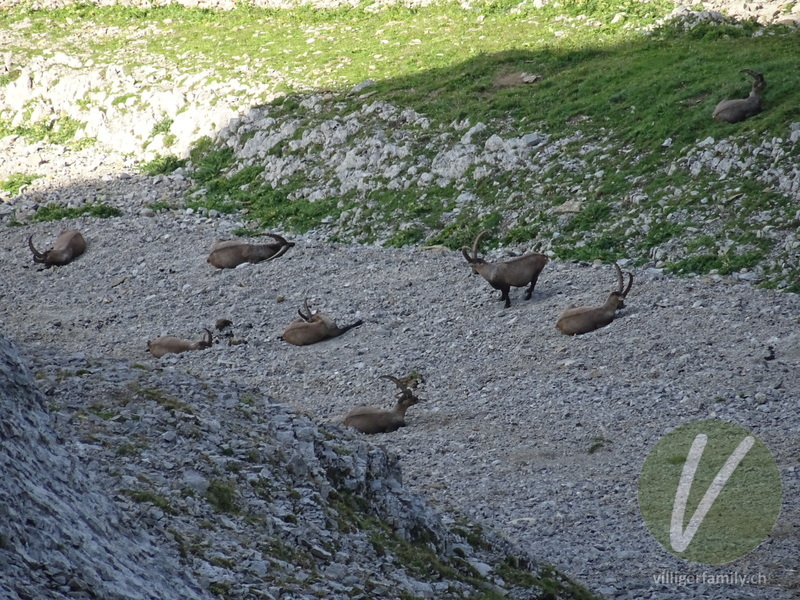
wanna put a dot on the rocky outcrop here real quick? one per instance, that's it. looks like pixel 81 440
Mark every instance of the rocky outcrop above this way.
pixel 120 482
pixel 60 535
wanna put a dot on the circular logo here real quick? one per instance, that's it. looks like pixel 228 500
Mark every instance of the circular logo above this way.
pixel 710 492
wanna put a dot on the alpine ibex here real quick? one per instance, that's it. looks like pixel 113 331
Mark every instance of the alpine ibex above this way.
pixel 370 419
pixel 583 319
pixel 518 271
pixel 68 245
pixel 733 111
pixel 231 254
pixel 312 328
pixel 172 345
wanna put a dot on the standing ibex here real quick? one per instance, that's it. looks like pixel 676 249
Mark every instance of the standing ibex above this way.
pixel 518 271
pixel 173 345
pixel 231 254
pixel 733 111
pixel 312 328
pixel 583 319
pixel 370 419
pixel 68 245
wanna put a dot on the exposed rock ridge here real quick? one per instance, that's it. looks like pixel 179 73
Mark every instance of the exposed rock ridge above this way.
pixel 59 535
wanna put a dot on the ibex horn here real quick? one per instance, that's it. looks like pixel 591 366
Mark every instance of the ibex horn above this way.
pixel 284 246
pixel 405 392
pixel 619 278
pixel 278 238
pixel 752 73
pixel 475 244
pixel 308 310
pixel 397 382
pixel 630 283
pixel 38 256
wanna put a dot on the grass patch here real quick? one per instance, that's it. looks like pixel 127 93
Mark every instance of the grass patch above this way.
pixel 421 560
pixel 724 264
pixel 16 181
pixel 145 496
pixel 221 496
pixel 162 165
pixel 163 399
pixel 163 126
pixel 58 131
pixel 54 212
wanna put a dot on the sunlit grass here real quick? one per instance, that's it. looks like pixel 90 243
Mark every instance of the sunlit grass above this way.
pixel 599 72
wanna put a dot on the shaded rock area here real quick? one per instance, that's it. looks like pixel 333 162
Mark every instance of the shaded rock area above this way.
pixel 124 482
pixel 60 535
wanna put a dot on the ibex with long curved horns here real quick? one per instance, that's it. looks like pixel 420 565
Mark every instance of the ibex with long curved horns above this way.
pixel 370 419
pixel 517 271
pixel 230 254
pixel 311 328
pixel 583 319
pixel 733 111
pixel 68 245
pixel 169 344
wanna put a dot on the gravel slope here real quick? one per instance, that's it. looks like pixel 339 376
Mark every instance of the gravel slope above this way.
pixel 513 408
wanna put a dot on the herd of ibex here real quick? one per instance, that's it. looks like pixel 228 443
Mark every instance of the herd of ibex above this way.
pixel 313 327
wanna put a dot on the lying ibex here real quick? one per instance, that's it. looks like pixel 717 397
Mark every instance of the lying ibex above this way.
pixel 518 271
pixel 231 254
pixel 68 245
pixel 370 419
pixel 583 319
pixel 312 328
pixel 173 345
pixel 733 111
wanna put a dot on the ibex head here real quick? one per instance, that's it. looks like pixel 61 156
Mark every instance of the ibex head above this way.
pixel 474 260
pixel 405 397
pixel 759 83
pixel 68 245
